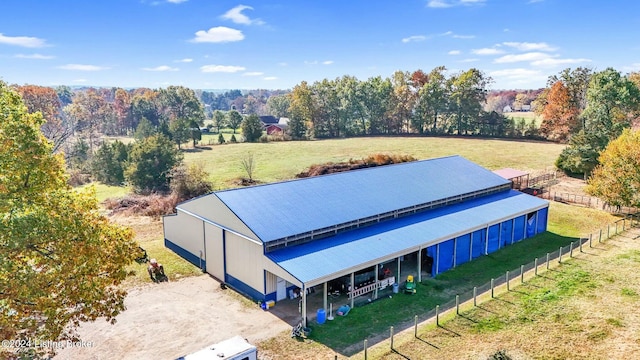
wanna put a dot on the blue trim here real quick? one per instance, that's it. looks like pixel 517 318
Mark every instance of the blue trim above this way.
pixel 185 254
pixel 271 296
pixel 224 252
pixel 243 288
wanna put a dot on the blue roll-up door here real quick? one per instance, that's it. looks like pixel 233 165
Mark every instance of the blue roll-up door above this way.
pixel 445 255
pixel 431 252
pixel 463 249
pixel 479 241
pixel 542 220
pixel 494 234
pixel 506 237
pixel 531 224
pixel 518 228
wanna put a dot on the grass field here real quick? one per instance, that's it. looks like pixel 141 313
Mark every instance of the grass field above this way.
pixel 526 115
pixel 282 160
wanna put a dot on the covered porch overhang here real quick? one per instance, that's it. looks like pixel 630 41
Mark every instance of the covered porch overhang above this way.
pixel 326 259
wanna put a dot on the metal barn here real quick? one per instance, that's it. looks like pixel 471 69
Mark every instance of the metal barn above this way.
pixel 266 241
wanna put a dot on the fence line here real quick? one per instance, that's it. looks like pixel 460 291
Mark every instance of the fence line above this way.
pixel 612 229
pixel 585 200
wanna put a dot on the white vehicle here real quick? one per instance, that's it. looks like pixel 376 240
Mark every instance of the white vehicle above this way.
pixel 235 348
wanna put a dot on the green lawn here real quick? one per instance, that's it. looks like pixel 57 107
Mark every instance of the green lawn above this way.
pixel 527 116
pixel 282 160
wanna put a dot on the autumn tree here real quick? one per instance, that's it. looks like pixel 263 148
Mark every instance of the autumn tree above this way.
pixel 432 101
pixel 468 94
pixel 45 99
pixel 89 112
pixel 145 104
pixel 301 111
pixel 122 108
pixel 560 115
pixel 251 128
pixel 234 119
pixel 616 179
pixel 613 102
pixel 150 162
pixel 61 261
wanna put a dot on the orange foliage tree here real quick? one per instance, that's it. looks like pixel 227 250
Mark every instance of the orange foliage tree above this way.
pixel 560 116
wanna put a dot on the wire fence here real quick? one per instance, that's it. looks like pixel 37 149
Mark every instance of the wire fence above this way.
pixel 514 277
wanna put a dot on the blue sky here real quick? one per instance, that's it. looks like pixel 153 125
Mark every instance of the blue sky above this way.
pixel 276 44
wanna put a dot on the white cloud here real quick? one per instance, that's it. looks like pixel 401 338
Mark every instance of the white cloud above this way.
pixel 238 17
pixel 527 46
pixel 80 80
pixel 487 51
pixel 283 64
pixel 82 67
pixel 550 62
pixel 270 78
pixel 186 60
pixel 468 60
pixel 314 62
pixel 176 1
pixel 456 36
pixel 454 52
pixel 414 38
pixel 34 56
pixel 511 58
pixel 219 34
pixel 517 74
pixel 24 41
pixel 452 3
pixel 161 68
pixel 328 62
pixel 253 73
pixel 221 68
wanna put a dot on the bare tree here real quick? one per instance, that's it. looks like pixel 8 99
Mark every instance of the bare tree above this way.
pixel 248 165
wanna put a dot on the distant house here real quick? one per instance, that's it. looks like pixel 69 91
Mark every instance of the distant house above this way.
pixel 283 121
pixel 526 108
pixel 276 129
pixel 267 120
pixel 507 109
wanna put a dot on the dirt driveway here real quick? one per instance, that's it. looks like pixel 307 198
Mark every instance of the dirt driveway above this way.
pixel 168 320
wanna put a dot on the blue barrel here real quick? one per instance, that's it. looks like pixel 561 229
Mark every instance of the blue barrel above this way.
pixel 322 316
pixel 395 288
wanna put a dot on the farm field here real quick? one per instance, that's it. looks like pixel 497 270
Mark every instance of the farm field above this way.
pixel 526 115
pixel 276 161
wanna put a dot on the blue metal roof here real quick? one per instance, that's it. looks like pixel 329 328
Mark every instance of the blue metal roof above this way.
pixel 277 210
pixel 325 259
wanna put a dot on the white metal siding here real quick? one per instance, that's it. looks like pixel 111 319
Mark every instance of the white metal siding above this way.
pixel 214 251
pixel 244 260
pixel 211 208
pixel 272 283
pixel 186 232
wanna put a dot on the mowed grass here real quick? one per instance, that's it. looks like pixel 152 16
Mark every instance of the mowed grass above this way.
pixel 282 160
pixel 526 115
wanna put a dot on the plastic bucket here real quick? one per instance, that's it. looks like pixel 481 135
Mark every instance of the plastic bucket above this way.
pixel 322 316
pixel 395 288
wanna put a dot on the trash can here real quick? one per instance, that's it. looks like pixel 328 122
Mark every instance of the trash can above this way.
pixel 321 316
pixel 395 288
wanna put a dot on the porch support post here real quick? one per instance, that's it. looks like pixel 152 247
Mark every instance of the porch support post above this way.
pixel 304 306
pixel 353 288
pixel 324 286
pixel 420 265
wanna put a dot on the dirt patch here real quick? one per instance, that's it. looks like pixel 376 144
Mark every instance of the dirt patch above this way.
pixel 369 161
pixel 571 185
pixel 169 320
